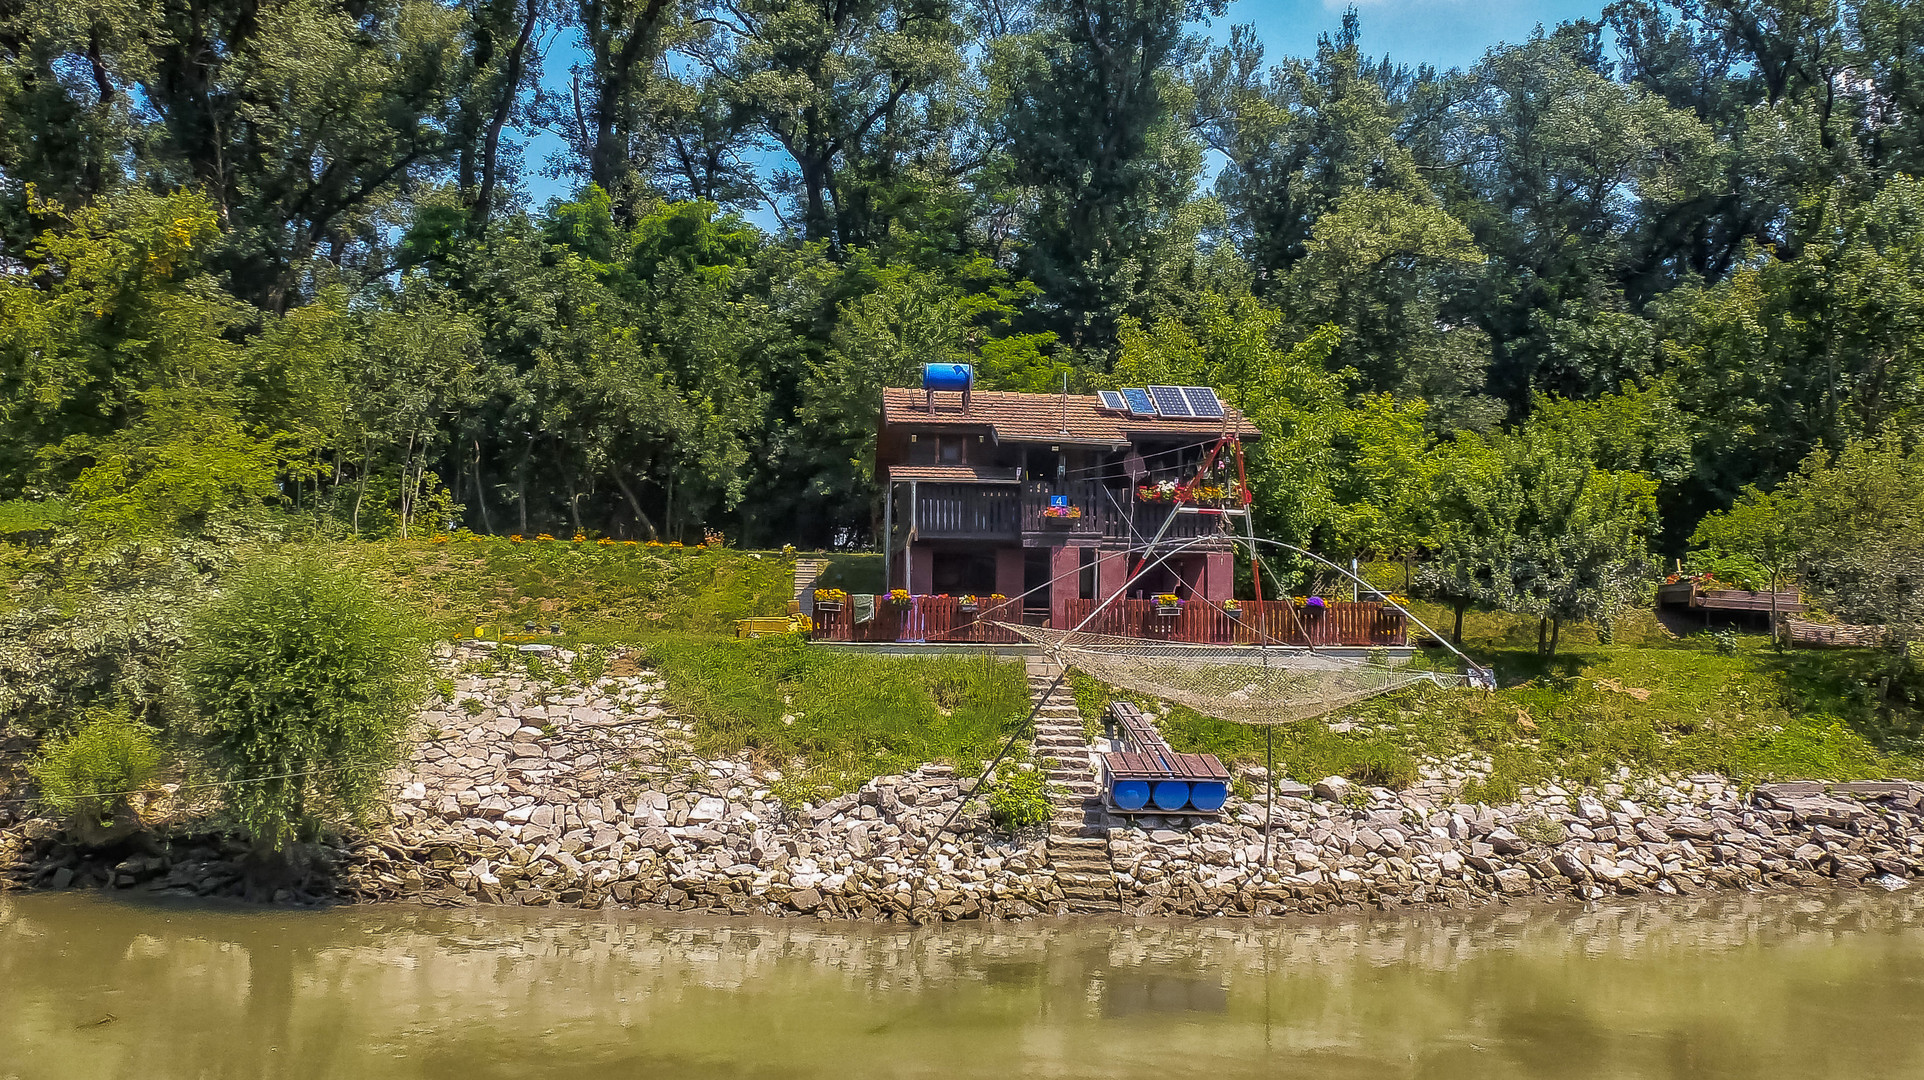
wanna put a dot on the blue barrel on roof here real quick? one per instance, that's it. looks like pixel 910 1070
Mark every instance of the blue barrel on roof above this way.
pixel 1172 794
pixel 947 376
pixel 1130 794
pixel 1208 795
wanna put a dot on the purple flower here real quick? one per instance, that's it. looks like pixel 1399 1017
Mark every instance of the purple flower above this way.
pixel 1316 601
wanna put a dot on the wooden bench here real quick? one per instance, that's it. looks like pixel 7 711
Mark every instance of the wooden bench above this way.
pixel 1151 778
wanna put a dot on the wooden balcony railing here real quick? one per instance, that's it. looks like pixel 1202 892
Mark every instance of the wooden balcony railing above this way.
pixel 1004 511
pixel 941 619
pixel 1084 495
pixel 967 511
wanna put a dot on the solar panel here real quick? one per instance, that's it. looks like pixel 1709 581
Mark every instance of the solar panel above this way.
pixel 1203 401
pixel 1137 399
pixel 1170 401
pixel 1112 400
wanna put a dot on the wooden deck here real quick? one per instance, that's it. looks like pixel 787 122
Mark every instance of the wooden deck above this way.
pixel 1687 594
pixel 940 619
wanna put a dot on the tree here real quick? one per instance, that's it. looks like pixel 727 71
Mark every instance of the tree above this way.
pixel 1758 527
pixel 1527 521
pixel 1858 520
pixel 851 94
pixel 1089 121
pixel 305 681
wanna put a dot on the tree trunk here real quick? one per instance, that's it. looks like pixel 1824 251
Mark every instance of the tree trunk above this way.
pixel 634 503
pixel 491 146
pixel 1456 635
pixel 1556 629
pixel 480 495
pixel 1776 633
pixel 521 484
pixel 1543 636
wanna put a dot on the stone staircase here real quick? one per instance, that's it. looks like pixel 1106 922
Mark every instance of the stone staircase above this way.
pixel 1079 835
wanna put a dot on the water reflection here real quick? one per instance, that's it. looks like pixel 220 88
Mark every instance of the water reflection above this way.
pixel 1729 986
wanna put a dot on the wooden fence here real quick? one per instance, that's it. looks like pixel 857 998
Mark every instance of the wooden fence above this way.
pixel 935 619
pixel 940 619
pixel 1276 622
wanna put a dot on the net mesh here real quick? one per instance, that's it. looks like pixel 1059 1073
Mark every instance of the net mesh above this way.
pixel 1238 684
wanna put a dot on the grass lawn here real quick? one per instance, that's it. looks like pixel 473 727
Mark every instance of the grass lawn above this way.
pixel 597 592
pixel 833 720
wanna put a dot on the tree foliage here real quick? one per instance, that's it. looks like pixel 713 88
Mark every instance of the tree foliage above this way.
pixel 276 268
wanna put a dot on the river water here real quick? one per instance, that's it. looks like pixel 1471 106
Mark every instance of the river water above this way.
pixel 1744 986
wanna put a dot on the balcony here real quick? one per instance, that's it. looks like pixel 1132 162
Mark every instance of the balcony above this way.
pixel 1012 513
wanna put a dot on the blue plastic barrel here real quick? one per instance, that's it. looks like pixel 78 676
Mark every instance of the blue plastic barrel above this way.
pixel 947 376
pixel 1208 795
pixel 1130 794
pixel 1172 794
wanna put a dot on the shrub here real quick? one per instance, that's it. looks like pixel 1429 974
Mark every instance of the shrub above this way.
pixel 305 681
pixel 589 665
pixel 91 775
pixel 1723 640
pixel 1019 797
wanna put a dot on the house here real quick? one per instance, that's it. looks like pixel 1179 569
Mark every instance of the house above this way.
pixel 971 477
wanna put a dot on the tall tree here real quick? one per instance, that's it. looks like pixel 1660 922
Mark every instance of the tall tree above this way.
pixel 1090 119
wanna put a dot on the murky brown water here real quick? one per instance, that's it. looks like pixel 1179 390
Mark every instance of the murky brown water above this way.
pixel 1735 987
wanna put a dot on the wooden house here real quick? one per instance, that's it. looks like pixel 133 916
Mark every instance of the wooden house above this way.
pixel 1039 496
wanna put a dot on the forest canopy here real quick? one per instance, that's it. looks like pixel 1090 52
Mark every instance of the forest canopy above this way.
pixel 272 262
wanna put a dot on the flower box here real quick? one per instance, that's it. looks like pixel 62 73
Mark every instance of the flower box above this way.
pixel 828 605
pixel 1168 611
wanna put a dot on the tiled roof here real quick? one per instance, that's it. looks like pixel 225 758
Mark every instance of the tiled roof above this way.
pixel 964 474
pixel 1046 418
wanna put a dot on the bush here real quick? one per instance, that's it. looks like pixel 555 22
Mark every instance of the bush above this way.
pixel 92 775
pixel 305 682
pixel 1019 797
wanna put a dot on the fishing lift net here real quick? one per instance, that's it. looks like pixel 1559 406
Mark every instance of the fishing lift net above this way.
pixel 1241 684
pixel 1263 685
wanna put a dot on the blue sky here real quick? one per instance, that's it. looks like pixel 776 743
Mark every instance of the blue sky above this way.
pixel 1443 33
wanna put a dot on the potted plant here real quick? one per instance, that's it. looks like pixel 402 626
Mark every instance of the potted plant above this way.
pixel 900 597
pixel 1233 608
pixel 1168 604
pixel 968 602
pixel 830 599
pixel 1061 514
